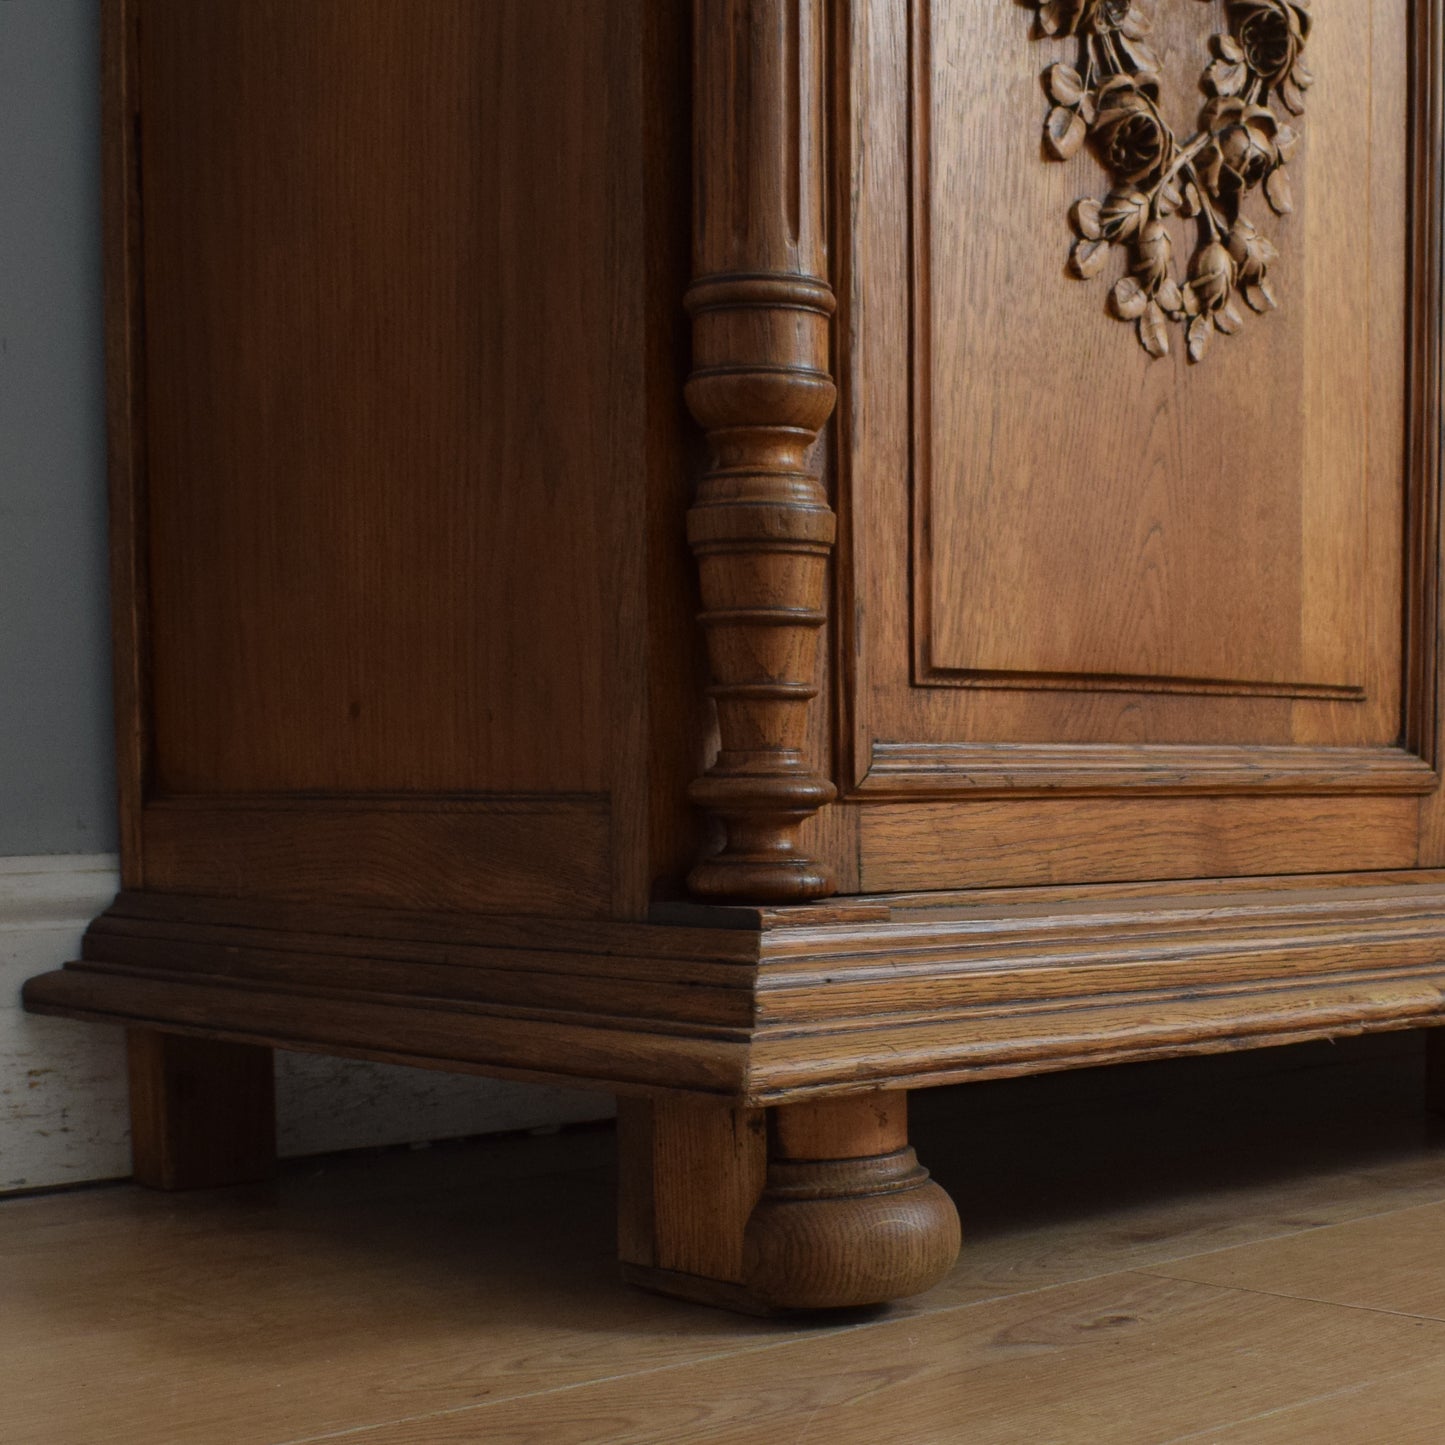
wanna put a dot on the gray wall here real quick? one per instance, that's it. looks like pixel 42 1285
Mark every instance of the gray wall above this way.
pixel 55 752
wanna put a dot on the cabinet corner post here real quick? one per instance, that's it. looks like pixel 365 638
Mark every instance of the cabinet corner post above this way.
pixel 761 388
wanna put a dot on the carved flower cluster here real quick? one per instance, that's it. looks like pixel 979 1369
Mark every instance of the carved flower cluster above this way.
pixel 1111 100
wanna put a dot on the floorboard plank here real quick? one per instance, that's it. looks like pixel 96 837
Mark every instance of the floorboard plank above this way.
pixel 1124 1358
pixel 1393 1262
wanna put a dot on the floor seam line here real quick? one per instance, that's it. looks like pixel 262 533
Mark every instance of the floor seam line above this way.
pixel 1306 1299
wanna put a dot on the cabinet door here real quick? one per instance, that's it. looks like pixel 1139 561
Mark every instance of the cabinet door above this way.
pixel 1134 587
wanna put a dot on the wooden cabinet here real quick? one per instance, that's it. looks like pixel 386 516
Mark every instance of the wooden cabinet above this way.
pixel 764 555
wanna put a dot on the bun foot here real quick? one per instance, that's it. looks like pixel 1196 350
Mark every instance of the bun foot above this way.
pixel 838 1233
pixel 812 1206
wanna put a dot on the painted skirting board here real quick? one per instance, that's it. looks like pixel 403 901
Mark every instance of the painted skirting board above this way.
pixel 62 1084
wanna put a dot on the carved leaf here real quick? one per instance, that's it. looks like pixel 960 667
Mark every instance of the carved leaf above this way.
pixel 1201 333
pixel 1124 214
pixel 1064 132
pixel 1171 299
pixel 1279 192
pixel 1064 84
pixel 1292 96
pixel 1154 331
pixel 1229 319
pixel 1130 299
pixel 1227 77
pixel 1087 219
pixel 1260 296
pixel 1089 257
pixel 1142 55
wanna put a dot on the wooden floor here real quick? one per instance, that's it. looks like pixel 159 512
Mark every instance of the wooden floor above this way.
pixel 1210 1250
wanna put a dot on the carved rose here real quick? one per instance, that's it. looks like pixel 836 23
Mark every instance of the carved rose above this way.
pixel 1245 148
pixel 1132 138
pixel 1252 255
pixel 1109 97
pixel 1153 256
pixel 1271 33
pixel 1212 276
pixel 1082 17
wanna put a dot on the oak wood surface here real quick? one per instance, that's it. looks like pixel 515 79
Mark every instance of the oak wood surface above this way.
pixel 1069 1366
pixel 1395 1266
pixel 784 1004
pixel 412 851
pixel 380 474
pixel 202 1111
pixel 1046 450
pixel 761 527
pixel 689 1174
pixel 348 360
pixel 847 1216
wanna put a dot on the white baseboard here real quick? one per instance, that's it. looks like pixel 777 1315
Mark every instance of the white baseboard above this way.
pixel 63 1117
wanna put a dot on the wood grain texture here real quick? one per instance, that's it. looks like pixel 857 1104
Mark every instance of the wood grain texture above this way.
pixel 761 527
pixel 1402 1406
pixel 811 1206
pixel 847 1216
pixel 1303 513
pixel 358 544
pixel 1395 1265
pixel 1104 1355
pixel 839 1000
pixel 376 469
pixel 690 1172
pixel 932 845
pixel 203 1111
pixel 408 695
pixel 411 851
pixel 981 770
pixel 849 1128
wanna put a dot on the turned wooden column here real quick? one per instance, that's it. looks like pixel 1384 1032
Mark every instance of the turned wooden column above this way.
pixel 761 527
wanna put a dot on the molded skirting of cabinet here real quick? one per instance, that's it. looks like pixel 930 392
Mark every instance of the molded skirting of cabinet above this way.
pixel 767 1006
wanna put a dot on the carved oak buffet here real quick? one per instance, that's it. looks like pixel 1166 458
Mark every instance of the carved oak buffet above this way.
pixel 1055 699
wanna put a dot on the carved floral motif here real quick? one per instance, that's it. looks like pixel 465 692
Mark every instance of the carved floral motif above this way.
pixel 1110 99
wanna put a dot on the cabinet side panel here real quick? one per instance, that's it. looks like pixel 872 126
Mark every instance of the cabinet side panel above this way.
pixel 389 356
pixel 389 265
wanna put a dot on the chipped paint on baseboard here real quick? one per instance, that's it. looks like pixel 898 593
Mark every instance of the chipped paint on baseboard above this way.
pixel 63 1113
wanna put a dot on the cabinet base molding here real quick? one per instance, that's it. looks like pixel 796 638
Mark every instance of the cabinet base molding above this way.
pixel 770 1006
